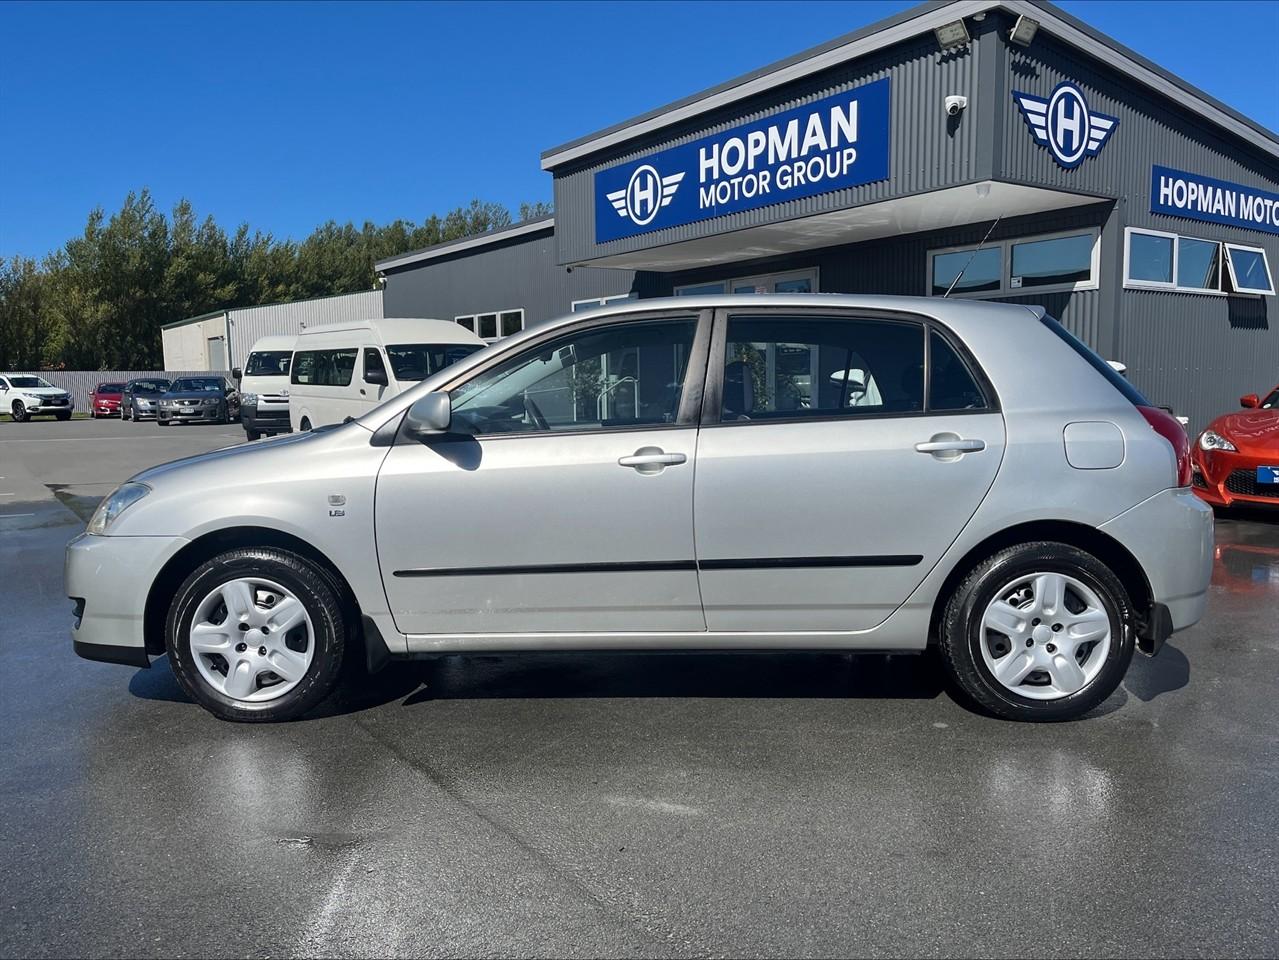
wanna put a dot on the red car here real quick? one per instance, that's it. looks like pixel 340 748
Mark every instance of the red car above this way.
pixel 105 400
pixel 1236 460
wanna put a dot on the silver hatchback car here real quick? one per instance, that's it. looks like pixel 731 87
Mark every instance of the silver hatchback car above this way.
pixel 806 472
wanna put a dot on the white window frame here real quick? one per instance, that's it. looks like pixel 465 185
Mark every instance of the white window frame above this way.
pixel 813 273
pixel 1265 262
pixel 1174 286
pixel 601 301
pixel 473 321
pixel 1006 289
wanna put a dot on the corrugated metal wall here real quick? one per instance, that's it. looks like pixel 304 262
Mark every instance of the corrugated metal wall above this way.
pixel 927 151
pixel 248 324
pixel 1196 352
pixel 521 273
pixel 80 383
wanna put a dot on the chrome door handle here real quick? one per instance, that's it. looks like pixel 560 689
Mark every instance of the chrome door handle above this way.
pixel 649 460
pixel 949 446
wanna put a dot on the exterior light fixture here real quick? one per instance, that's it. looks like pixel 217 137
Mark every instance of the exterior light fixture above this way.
pixel 1023 31
pixel 953 34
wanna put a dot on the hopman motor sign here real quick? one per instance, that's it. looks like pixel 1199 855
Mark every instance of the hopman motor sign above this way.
pixel 836 142
pixel 1196 197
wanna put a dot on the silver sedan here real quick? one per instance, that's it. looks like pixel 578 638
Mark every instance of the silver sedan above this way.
pixel 834 472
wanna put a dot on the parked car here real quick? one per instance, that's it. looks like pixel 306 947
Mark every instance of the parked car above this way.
pixel 682 474
pixel 263 385
pixel 104 401
pixel 344 370
pixel 140 396
pixel 198 400
pixel 1236 460
pixel 24 395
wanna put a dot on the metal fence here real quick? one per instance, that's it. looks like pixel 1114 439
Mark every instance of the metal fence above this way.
pixel 80 383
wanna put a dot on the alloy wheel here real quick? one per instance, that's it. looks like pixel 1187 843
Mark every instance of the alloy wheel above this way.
pixel 252 640
pixel 1046 636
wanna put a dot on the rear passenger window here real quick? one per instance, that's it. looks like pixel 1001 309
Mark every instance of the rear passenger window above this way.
pixel 324 368
pixel 950 383
pixel 779 368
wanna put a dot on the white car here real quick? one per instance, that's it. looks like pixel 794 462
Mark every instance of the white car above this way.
pixel 24 395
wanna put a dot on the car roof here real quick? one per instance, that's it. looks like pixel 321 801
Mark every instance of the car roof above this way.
pixel 274 342
pixel 392 330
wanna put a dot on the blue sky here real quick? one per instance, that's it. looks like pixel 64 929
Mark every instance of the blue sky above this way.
pixel 287 115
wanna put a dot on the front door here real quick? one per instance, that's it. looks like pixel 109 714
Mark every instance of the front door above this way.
pixel 562 499
pixel 834 473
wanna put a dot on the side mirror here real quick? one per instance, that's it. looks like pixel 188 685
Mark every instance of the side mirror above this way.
pixel 1250 401
pixel 429 415
pixel 375 376
pixel 237 373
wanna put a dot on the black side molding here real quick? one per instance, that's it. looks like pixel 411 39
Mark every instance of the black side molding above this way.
pixel 109 653
pixel 644 566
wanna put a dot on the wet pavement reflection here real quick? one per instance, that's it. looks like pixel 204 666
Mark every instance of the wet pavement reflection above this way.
pixel 644 804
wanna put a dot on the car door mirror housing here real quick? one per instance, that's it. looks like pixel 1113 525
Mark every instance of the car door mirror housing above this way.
pixel 237 373
pixel 1251 401
pixel 429 415
pixel 376 377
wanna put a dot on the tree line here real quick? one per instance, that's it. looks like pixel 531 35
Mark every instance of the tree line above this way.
pixel 98 302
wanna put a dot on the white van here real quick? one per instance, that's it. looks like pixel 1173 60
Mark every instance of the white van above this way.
pixel 264 387
pixel 345 369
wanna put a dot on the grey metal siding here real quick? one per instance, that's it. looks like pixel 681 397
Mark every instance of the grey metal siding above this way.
pixel 289 319
pixel 928 151
pixel 522 273
pixel 1196 352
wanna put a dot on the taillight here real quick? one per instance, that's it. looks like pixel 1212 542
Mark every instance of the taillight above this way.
pixel 1170 428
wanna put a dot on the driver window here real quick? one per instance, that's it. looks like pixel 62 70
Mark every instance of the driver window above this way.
pixel 614 377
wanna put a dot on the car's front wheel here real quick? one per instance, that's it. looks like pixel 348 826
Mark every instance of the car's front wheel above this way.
pixel 1038 631
pixel 19 412
pixel 257 634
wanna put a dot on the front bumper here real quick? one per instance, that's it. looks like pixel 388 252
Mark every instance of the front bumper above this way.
pixel 1226 479
pixel 105 407
pixel 192 414
pixel 108 579
pixel 1171 536
pixel 140 412
pixel 265 419
pixel 44 406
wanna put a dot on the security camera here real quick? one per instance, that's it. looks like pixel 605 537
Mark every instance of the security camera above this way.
pixel 954 105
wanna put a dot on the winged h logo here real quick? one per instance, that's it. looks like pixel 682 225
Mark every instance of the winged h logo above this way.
pixel 646 193
pixel 1064 124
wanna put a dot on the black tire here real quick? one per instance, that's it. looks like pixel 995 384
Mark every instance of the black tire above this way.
pixel 19 412
pixel 311 584
pixel 161 423
pixel 252 435
pixel 304 426
pixel 961 630
pixel 123 413
pixel 63 416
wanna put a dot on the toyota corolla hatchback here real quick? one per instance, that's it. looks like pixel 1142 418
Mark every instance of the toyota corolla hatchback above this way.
pixel 780 472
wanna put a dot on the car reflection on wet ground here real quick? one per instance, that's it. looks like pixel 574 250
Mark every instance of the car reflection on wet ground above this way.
pixel 639 804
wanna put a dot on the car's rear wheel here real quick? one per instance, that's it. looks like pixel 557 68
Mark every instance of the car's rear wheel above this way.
pixel 19 412
pixel 257 634
pixel 1039 631
pixel 252 435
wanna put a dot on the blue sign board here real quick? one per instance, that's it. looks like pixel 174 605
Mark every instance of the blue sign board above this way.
pixel 836 142
pixel 1196 197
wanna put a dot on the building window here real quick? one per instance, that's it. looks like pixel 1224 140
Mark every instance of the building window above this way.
pixel 493 326
pixel 1249 270
pixel 592 302
pixel 1155 260
pixel 1045 264
pixel 796 281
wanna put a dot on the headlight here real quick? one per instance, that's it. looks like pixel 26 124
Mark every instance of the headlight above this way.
pixel 1210 440
pixel 120 500
pixel 248 399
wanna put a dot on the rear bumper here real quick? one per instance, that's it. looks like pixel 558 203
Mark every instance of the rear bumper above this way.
pixel 1171 536
pixel 108 579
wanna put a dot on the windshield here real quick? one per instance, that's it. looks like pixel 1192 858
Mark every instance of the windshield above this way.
pixel 29 382
pixel 1271 402
pixel 150 386
pixel 268 363
pixel 417 361
pixel 197 385
pixel 110 387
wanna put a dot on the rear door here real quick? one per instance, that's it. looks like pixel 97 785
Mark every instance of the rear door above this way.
pixel 840 455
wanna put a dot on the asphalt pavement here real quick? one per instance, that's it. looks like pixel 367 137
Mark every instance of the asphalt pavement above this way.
pixel 620 804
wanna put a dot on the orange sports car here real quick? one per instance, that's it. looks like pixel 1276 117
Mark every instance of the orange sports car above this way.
pixel 1236 460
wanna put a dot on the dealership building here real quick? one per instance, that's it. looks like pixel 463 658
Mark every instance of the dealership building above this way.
pixel 996 149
